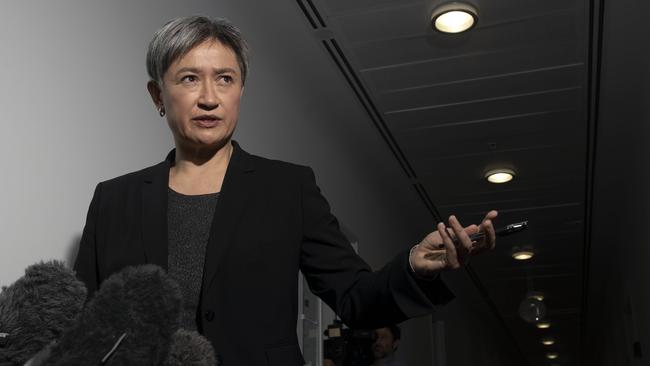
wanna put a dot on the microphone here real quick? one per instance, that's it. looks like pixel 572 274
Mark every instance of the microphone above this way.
pixel 129 321
pixel 132 320
pixel 36 309
pixel 189 348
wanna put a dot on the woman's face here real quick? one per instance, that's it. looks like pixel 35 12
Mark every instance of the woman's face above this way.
pixel 200 93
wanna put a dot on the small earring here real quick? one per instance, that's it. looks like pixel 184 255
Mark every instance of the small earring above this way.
pixel 161 111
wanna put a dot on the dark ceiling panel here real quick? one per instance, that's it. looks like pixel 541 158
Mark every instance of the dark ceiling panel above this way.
pixel 427 46
pixel 345 6
pixel 542 101
pixel 438 147
pixel 492 128
pixel 401 88
pixel 408 20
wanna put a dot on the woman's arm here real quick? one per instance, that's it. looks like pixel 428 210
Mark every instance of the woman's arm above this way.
pixel 336 274
pixel 85 265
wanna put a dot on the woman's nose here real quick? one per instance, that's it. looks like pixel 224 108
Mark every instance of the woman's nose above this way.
pixel 208 98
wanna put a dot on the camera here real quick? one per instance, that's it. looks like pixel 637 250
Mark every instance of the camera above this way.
pixel 348 347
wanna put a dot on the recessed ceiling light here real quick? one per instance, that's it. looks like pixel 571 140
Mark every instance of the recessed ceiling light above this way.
pixel 455 17
pixel 551 355
pixel 500 175
pixel 548 341
pixel 543 325
pixel 522 254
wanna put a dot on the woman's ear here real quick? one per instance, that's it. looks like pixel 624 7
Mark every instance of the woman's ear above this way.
pixel 154 91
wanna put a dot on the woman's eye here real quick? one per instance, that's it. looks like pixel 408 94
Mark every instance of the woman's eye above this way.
pixel 225 79
pixel 189 78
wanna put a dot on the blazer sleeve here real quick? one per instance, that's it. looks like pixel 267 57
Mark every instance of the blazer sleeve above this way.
pixel 336 274
pixel 85 265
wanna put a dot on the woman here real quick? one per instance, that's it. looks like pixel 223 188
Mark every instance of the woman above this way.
pixel 234 229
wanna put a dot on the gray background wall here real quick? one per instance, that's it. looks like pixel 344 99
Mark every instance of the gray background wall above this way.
pixel 75 111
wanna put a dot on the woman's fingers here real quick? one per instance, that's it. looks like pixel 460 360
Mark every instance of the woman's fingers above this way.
pixel 464 242
pixel 491 215
pixel 452 256
pixel 488 228
pixel 491 235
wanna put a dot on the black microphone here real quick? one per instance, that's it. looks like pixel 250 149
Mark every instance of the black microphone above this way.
pixel 130 321
pixel 36 309
pixel 189 348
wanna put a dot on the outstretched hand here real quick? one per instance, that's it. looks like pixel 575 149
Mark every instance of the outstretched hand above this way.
pixel 437 251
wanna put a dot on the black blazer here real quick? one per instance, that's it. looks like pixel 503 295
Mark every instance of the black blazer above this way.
pixel 270 221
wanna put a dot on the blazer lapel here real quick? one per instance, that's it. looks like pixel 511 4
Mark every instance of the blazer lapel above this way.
pixel 154 212
pixel 235 191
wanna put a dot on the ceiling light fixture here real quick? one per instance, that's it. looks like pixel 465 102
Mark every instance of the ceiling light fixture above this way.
pixel 536 295
pixel 543 325
pixel 548 341
pixel 551 355
pixel 522 254
pixel 454 17
pixel 500 175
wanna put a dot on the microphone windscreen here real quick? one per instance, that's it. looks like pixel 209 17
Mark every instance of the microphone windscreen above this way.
pixel 129 321
pixel 37 308
pixel 189 348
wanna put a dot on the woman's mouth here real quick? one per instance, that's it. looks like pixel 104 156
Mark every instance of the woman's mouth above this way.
pixel 207 121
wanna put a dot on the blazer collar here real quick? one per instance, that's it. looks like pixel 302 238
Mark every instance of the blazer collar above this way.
pixel 240 160
pixel 234 194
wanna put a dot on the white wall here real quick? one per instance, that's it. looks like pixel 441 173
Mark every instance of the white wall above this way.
pixel 75 111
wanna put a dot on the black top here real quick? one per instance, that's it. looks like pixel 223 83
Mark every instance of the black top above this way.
pixel 189 220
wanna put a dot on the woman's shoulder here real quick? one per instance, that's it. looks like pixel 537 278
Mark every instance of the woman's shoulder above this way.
pixel 268 163
pixel 278 167
pixel 136 178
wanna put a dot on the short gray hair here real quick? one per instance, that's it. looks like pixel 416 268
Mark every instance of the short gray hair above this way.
pixel 178 36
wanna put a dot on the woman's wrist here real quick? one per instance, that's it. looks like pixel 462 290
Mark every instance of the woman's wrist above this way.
pixel 412 267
